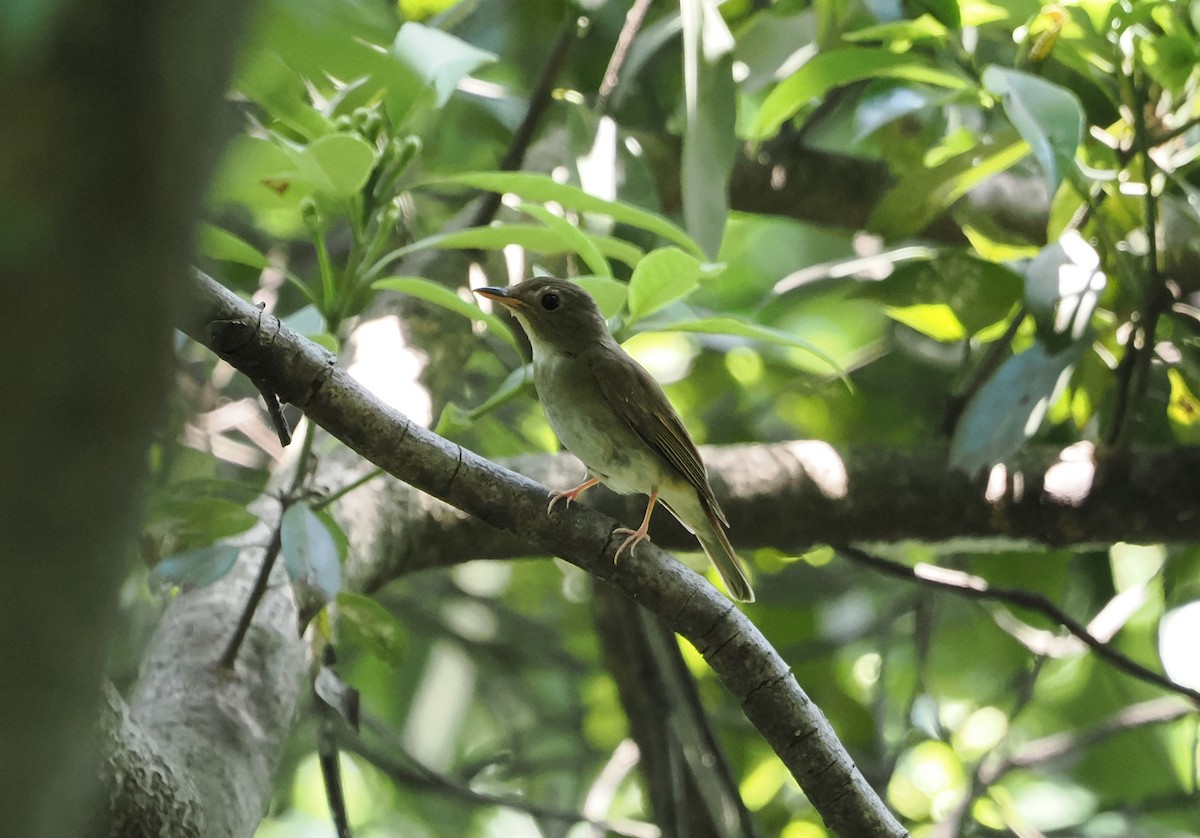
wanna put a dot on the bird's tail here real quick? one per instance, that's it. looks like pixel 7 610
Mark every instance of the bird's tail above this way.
pixel 720 552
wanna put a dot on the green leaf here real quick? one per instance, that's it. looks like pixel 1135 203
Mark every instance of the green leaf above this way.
pixel 926 27
pixel 199 518
pixel 573 236
pixel 431 292
pixel 533 237
pixel 363 622
pixel 662 277
pixel 923 194
pixel 1048 117
pixel 937 320
pixel 535 187
pixel 310 551
pixel 710 113
pixel 195 568
pixel 258 173
pixel 751 331
pixel 610 294
pixel 1010 406
pixel 339 163
pixel 976 293
pixel 438 58
pixel 224 246
pixel 838 67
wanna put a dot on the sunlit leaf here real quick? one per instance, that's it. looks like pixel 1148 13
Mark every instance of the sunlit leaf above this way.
pixel 1048 117
pixel 535 187
pixel 432 292
pixel 438 58
pixel 937 320
pixel 532 237
pixel 340 163
pixel 838 67
pixel 1062 287
pixel 224 246
pixel 572 236
pixel 662 277
pixel 610 294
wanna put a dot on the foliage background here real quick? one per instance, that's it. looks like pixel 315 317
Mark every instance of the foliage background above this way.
pixel 981 217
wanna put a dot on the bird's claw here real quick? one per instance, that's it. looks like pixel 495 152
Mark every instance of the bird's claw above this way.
pixel 635 538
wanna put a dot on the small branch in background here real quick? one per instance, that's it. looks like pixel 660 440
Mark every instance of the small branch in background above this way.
pixel 539 101
pixel 974 587
pixel 407 770
pixel 327 755
pixel 274 546
pixel 1153 712
pixel 634 19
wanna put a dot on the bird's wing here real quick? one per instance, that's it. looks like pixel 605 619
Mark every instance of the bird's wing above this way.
pixel 639 400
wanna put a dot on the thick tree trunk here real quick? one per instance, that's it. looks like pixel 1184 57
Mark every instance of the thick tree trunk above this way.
pixel 107 139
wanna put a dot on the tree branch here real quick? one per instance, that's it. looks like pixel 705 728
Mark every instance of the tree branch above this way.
pixel 751 669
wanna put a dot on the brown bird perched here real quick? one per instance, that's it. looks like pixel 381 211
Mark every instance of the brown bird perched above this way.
pixel 611 414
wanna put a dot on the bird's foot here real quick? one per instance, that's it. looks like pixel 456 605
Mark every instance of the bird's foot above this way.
pixel 570 494
pixel 635 538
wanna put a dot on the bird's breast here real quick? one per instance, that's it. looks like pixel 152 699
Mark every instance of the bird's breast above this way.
pixel 592 429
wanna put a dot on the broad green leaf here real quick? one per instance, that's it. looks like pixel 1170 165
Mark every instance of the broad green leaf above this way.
pixel 751 331
pixel 224 246
pixel 1048 117
pixel 533 237
pixel 923 194
pixel 438 58
pixel 573 236
pixel 925 27
pixel 1010 406
pixel 838 67
pixel 310 551
pixel 339 163
pixel 710 113
pixel 258 173
pixel 431 292
pixel 199 518
pixel 194 568
pixel 662 277
pixel 363 622
pixel 976 294
pixel 535 187
pixel 610 294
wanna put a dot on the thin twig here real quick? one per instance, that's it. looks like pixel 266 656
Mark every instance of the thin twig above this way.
pixel 338 494
pixel 974 587
pixel 327 756
pixel 539 101
pixel 634 19
pixel 991 362
pixel 256 592
pixel 407 769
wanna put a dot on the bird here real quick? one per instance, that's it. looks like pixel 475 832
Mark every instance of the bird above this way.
pixel 608 411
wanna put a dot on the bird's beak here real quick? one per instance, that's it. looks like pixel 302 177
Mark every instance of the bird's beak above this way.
pixel 500 295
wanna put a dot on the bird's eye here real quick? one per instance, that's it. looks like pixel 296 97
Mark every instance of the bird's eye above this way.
pixel 550 301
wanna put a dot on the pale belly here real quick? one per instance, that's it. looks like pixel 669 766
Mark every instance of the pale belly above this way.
pixel 591 429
